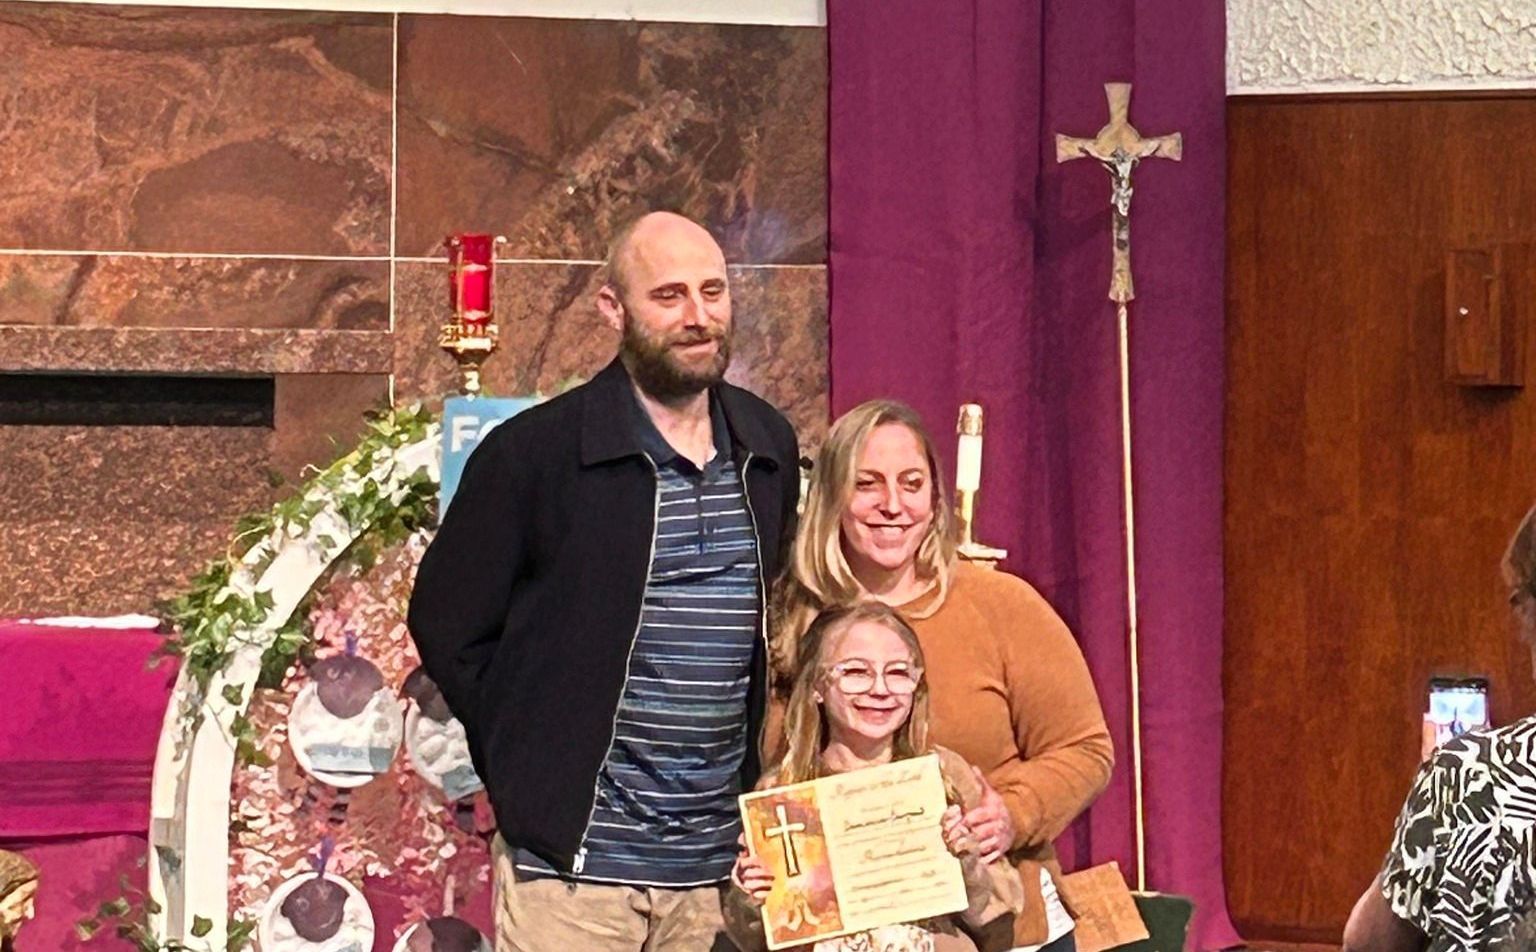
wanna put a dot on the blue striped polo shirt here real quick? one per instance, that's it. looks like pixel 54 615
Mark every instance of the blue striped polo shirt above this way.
pixel 665 812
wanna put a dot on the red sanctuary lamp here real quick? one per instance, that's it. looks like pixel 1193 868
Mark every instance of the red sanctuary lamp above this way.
pixel 471 334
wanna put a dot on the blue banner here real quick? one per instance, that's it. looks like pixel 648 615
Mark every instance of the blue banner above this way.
pixel 466 421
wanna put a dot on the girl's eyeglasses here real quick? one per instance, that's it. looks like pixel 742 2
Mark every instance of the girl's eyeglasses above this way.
pixel 857 676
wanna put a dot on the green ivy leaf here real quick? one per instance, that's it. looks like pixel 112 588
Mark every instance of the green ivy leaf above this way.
pixel 111 910
pixel 240 933
pixel 364 554
pixel 233 695
pixel 201 926
pixel 263 562
pixel 252 524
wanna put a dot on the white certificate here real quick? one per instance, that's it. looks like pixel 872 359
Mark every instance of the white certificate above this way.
pixel 854 851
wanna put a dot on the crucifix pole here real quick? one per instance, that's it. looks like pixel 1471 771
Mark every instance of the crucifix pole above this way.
pixel 1119 148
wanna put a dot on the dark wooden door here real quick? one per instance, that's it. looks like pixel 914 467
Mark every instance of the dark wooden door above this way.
pixel 1368 499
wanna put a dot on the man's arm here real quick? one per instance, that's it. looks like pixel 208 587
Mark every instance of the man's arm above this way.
pixel 459 602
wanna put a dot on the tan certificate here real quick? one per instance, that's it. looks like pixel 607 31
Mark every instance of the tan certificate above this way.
pixel 854 851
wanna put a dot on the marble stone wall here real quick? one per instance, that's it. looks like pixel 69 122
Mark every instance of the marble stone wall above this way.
pixel 228 193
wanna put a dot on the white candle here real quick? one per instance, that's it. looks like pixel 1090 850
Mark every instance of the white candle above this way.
pixel 968 465
pixel 968 462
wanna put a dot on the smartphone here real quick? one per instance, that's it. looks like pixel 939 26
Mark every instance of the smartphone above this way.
pixel 1456 705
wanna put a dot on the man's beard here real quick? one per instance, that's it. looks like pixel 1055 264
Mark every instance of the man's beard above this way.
pixel 659 373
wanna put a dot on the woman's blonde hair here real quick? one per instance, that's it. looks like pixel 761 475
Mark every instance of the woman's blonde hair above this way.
pixel 817 575
pixel 805 723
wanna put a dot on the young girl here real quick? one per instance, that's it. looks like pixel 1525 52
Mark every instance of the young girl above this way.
pixel 859 700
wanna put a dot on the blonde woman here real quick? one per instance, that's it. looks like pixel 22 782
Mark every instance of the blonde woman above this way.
pixel 859 700
pixel 1010 689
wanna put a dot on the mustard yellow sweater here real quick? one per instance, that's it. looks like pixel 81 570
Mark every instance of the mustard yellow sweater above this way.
pixel 1010 693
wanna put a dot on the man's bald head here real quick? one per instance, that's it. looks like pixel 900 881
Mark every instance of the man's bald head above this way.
pixel 668 295
pixel 641 242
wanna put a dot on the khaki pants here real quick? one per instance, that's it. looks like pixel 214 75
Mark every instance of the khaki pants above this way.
pixel 552 915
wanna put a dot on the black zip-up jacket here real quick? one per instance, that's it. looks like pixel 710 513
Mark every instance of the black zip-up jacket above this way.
pixel 528 600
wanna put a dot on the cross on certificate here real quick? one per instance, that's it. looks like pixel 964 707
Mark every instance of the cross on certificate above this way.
pixel 854 851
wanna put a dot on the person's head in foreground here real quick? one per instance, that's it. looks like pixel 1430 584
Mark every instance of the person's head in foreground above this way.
pixel 1461 871
pixel 668 295
pixel 1520 577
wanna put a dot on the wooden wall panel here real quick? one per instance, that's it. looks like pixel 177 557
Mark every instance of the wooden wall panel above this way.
pixel 1368 500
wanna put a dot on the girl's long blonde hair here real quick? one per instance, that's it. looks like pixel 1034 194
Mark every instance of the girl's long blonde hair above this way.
pixel 805 723
pixel 818 576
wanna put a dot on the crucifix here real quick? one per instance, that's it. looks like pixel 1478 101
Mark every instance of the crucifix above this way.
pixel 786 831
pixel 1119 148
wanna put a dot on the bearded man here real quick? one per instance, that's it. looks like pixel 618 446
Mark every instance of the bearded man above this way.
pixel 593 610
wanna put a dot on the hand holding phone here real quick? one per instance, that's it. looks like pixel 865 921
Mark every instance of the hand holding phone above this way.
pixel 1456 705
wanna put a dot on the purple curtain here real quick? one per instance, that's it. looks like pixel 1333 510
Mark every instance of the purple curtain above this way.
pixel 967 265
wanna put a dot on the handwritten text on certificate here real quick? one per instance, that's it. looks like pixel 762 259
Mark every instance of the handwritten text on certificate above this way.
pixel 854 851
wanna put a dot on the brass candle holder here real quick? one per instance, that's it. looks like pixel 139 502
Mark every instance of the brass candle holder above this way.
pixel 968 487
pixel 471 336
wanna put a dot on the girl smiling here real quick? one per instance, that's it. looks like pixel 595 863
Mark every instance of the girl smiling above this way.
pixel 859 700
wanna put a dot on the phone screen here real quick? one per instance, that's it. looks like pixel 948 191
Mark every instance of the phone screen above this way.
pixel 1456 705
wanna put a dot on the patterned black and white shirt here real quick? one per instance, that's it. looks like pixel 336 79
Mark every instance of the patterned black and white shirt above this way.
pixel 1462 866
